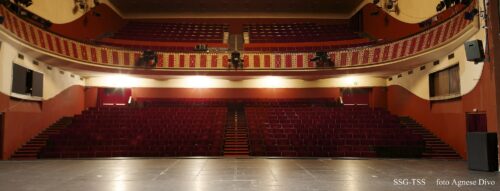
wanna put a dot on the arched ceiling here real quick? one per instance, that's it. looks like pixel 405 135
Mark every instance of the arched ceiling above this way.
pixel 235 8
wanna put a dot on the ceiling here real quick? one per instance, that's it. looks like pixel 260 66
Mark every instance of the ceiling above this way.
pixel 229 7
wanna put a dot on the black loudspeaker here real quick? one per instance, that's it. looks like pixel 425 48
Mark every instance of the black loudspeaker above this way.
pixel 482 151
pixel 474 50
pixel 236 60
pixel 1 19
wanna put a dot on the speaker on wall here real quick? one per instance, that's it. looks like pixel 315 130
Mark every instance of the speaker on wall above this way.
pixel 474 50
pixel 482 151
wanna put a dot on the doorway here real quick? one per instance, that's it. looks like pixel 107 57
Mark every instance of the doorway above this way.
pixel 355 96
pixel 114 96
pixel 476 122
pixel 1 134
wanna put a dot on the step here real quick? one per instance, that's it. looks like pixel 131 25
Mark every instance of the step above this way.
pixel 236 135
pixel 441 151
pixel 29 146
pixel 433 142
pixel 34 153
pixel 38 140
pixel 25 155
pixel 23 158
pixel 229 140
pixel 426 139
pixel 439 154
pixel 235 146
pixel 37 143
pixel 26 149
pixel 244 143
pixel 236 152
pixel 442 146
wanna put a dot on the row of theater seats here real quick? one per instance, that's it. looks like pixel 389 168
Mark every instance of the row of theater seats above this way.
pixel 195 127
pixel 308 48
pixel 181 102
pixel 141 132
pixel 299 32
pixel 166 48
pixel 172 32
pixel 348 131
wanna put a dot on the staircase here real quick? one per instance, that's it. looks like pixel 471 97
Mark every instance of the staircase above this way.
pixel 235 42
pixel 236 134
pixel 32 148
pixel 435 148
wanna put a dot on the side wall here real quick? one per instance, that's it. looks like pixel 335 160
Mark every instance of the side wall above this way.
pixel 409 96
pixel 90 26
pixel 24 120
pixel 390 26
pixel 377 95
pixel 63 96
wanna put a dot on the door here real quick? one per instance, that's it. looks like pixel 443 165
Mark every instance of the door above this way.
pixel 476 122
pixel 355 96
pixel 1 134
pixel 114 96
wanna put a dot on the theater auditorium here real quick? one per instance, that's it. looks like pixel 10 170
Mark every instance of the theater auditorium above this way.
pixel 214 95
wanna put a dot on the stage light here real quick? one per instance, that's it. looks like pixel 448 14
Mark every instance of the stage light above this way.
pixel 198 82
pixel 440 6
pixel 149 59
pixel 272 82
pixel 236 61
pixel 322 60
pixel 349 81
pixel 470 15
pixel 120 81
pixel 25 3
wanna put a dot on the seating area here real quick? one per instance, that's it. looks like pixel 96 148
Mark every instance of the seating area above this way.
pixel 156 127
pixel 141 132
pixel 310 47
pixel 299 32
pixel 179 102
pixel 347 131
pixel 172 32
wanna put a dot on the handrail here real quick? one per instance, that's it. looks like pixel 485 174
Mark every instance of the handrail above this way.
pixel 116 57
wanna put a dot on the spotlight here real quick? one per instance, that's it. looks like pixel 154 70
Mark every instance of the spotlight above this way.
pixel 375 13
pixel 322 60
pixel 46 24
pixel 470 15
pixel 448 3
pixel 26 3
pixel 466 2
pixel 389 5
pixel 236 60
pixel 376 1
pixel 440 6
pixel 95 13
pixel 201 47
pixel 149 59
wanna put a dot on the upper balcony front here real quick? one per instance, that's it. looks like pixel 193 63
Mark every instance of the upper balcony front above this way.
pixel 268 47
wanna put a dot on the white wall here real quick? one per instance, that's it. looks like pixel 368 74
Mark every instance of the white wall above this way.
pixel 418 82
pixel 470 72
pixel 56 11
pixel 219 82
pixel 54 82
